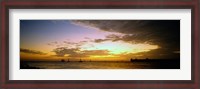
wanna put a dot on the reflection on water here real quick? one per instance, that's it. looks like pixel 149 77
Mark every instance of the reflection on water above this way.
pixel 98 65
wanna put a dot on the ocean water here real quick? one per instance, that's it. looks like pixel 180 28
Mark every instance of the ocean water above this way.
pixel 98 65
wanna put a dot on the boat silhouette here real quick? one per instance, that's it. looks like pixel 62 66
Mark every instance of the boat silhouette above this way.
pixel 80 60
pixel 62 60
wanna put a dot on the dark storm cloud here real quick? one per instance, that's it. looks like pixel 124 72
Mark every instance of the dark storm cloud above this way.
pixel 165 33
pixel 122 26
pixel 31 51
pixel 139 30
pixel 151 31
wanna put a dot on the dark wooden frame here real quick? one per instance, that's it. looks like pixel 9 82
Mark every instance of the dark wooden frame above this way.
pixel 109 4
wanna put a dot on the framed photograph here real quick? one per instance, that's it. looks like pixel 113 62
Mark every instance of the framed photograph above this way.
pixel 100 44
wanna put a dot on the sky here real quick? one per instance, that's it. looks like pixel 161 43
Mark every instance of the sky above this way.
pixel 99 40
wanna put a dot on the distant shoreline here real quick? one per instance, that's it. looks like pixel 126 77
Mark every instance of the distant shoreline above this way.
pixel 143 64
pixel 136 60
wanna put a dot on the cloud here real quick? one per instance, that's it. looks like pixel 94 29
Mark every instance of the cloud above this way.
pixel 64 50
pixel 55 43
pixel 31 51
pixel 165 33
pixel 100 40
pixel 122 26
pixel 140 31
pixel 111 37
pixel 76 52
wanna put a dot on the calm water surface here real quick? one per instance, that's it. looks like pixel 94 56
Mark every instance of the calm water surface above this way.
pixel 95 65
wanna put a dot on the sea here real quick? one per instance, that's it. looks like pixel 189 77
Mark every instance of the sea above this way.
pixel 100 65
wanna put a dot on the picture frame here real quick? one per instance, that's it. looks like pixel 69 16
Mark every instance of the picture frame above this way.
pixel 93 84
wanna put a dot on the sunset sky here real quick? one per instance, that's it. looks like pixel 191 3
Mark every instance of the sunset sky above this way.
pixel 99 40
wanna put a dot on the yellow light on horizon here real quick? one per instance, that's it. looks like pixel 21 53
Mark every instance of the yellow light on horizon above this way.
pixel 121 47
